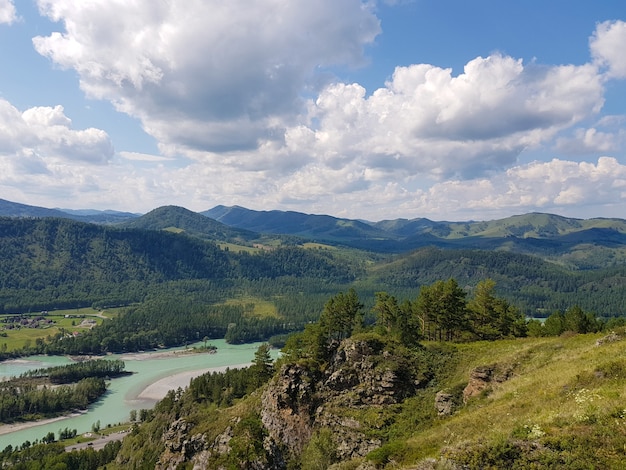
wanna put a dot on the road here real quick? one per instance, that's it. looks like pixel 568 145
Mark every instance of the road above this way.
pixel 98 443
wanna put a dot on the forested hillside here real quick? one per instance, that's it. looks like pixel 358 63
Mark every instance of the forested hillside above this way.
pixel 53 263
pixel 179 219
pixel 179 288
pixel 536 286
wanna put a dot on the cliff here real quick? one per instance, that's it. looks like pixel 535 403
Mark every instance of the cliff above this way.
pixel 302 403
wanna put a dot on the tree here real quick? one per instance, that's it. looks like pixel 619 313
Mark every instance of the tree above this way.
pixel 575 319
pixel 341 316
pixel 554 324
pixel 453 315
pixel 442 310
pixel 262 366
pixel 492 317
pixel 399 320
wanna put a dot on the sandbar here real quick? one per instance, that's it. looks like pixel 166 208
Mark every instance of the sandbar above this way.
pixel 13 427
pixel 158 389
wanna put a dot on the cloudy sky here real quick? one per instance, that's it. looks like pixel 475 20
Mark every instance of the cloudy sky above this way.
pixel 446 109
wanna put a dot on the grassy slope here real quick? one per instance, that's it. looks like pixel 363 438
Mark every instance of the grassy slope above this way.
pixel 555 394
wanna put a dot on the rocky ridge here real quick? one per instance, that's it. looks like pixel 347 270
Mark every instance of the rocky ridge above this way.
pixel 299 401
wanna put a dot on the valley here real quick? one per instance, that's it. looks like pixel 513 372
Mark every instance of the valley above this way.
pixel 375 321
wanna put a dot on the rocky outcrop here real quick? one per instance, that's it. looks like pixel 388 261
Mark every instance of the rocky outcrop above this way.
pixel 482 379
pixel 366 374
pixel 301 400
pixel 444 403
pixel 362 373
pixel 179 446
pixel 288 405
pixel 610 338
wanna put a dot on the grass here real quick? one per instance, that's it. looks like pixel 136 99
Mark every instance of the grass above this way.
pixel 556 384
pixel 68 321
pixel 256 307
pixel 238 248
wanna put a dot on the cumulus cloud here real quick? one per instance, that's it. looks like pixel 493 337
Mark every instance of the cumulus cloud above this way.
pixel 607 47
pixel 43 136
pixel 556 186
pixel 228 89
pixel 425 120
pixel 224 84
pixel 8 13
pixel 231 69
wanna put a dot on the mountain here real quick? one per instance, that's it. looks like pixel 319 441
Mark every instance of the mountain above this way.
pixel 14 209
pixel 542 403
pixel 315 227
pixel 178 219
pixel 50 263
pixel 576 243
pixel 107 217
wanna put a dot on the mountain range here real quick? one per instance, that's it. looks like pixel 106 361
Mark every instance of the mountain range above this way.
pixel 576 243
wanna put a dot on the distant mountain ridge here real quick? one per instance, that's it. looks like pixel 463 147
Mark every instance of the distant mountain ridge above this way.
pixel 295 223
pixel 577 243
pixel 179 219
pixel 581 243
pixel 15 209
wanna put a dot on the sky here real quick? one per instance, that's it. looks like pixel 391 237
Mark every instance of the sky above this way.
pixel 374 109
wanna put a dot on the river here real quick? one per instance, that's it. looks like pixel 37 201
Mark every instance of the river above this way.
pixel 123 394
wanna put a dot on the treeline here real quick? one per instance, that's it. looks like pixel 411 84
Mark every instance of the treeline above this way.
pixel 52 456
pixel 574 320
pixel 77 371
pixel 27 401
pixel 185 312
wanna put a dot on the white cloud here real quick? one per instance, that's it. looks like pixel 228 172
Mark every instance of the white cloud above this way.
pixel 555 186
pixel 43 136
pixel 227 89
pixel 8 13
pixel 604 137
pixel 143 157
pixel 224 72
pixel 607 47
pixel 430 122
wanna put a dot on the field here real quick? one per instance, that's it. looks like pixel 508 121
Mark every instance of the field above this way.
pixel 255 307
pixel 18 331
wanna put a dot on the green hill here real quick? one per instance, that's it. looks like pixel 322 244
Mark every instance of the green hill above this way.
pixel 315 227
pixel 543 403
pixel 179 219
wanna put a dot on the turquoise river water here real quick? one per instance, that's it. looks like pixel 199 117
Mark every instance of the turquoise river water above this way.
pixel 123 393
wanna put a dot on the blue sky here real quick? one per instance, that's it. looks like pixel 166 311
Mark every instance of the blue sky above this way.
pixel 445 109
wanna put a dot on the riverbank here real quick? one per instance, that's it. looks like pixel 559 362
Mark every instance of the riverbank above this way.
pixel 14 427
pixel 157 390
pixel 148 367
pixel 149 355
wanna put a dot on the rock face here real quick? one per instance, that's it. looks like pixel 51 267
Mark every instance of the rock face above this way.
pixel 444 403
pixel 287 407
pixel 483 377
pixel 300 401
pixel 360 374
pixel 179 446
